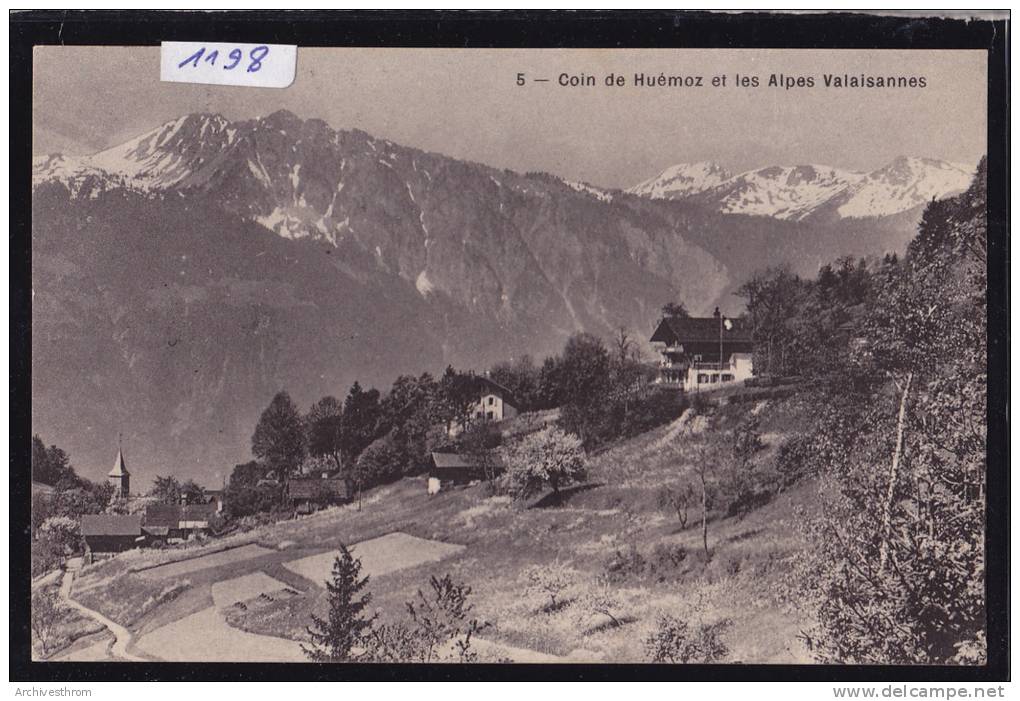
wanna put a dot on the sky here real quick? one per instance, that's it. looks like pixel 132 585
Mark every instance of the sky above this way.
pixel 465 103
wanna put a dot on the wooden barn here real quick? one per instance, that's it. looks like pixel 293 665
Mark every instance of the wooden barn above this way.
pixel 163 522
pixel 111 533
pixel 310 494
pixel 450 469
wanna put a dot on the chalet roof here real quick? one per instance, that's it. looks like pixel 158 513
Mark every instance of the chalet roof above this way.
pixel 119 468
pixel 487 383
pixel 162 516
pixel 171 515
pixel 308 487
pixel 694 329
pixel 111 525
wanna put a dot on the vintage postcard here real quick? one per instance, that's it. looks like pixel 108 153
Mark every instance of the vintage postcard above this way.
pixel 570 356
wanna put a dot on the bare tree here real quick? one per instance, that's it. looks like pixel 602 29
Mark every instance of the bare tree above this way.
pixel 44 619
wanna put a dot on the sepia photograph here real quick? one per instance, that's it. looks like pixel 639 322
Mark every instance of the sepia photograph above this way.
pixel 569 356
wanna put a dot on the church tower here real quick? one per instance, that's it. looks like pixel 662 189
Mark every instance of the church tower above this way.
pixel 119 477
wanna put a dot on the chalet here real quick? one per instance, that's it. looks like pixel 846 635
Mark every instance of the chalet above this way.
pixel 310 494
pixel 700 353
pixel 448 469
pixel 110 533
pixel 164 522
pixel 495 402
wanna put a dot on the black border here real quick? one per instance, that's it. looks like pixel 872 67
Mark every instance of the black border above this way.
pixel 510 29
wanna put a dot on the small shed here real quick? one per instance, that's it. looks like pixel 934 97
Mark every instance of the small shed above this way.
pixel 111 533
pixel 448 469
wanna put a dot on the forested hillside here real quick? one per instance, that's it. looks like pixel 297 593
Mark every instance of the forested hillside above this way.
pixel 896 355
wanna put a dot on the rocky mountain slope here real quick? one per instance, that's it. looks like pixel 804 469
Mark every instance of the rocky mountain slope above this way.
pixel 183 277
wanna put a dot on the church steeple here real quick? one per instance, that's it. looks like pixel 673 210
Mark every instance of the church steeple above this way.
pixel 119 476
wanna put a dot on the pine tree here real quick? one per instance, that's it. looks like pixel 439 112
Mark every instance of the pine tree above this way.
pixel 335 639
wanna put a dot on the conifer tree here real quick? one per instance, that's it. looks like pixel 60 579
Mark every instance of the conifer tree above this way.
pixel 335 638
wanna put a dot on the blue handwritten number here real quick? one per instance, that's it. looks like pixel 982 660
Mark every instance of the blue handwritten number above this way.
pixel 194 57
pixel 211 58
pixel 235 56
pixel 256 61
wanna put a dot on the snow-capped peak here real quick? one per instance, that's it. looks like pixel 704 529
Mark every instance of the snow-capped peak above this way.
pixel 798 192
pixel 682 180
pixel 903 184
pixel 167 154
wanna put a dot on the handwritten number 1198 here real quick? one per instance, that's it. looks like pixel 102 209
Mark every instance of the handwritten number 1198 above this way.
pixel 255 57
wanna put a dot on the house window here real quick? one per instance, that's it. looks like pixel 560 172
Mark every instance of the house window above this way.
pixel 702 378
pixel 727 378
pixel 492 400
pixel 488 415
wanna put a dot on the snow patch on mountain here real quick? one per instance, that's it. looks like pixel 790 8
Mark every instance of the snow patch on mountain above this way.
pixel 790 192
pixel 423 284
pixel 682 180
pixel 903 184
pixel 587 189
pixel 798 192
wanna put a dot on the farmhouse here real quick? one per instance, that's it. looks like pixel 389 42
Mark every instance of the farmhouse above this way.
pixel 110 533
pixel 495 402
pixel 312 493
pixel 701 353
pixel 448 469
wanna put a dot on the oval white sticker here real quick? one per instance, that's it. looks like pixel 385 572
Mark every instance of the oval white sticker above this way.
pixel 226 63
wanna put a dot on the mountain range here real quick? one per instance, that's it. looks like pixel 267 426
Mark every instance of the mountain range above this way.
pixel 182 278
pixel 811 192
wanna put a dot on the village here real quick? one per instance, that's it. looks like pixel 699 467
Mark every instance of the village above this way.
pixel 697 355
pixel 201 535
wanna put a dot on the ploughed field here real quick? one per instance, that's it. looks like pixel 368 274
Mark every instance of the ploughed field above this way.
pixel 256 598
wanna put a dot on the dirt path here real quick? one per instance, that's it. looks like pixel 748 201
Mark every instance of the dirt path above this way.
pixel 122 637
pixel 206 636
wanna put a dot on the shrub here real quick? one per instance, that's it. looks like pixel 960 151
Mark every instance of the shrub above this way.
pixel 600 600
pixel 677 500
pixel 438 628
pixel 248 501
pixel 47 555
pixel 549 456
pixel 625 563
pixel 793 459
pixel 550 580
pixel 667 559
pixel 673 641
pixel 63 533
pixel 44 619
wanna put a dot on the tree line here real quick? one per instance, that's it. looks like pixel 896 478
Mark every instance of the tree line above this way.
pixel 371 438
